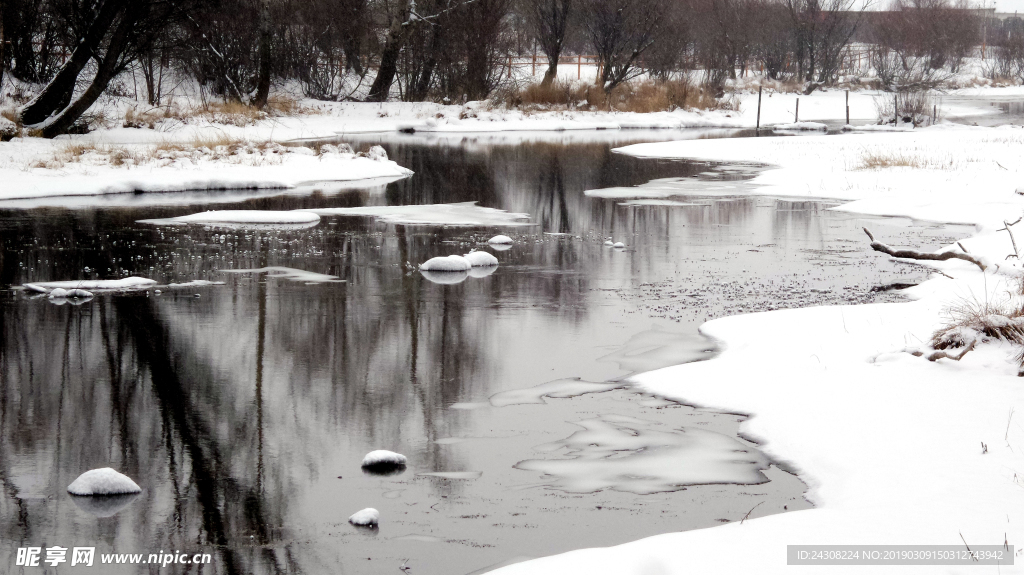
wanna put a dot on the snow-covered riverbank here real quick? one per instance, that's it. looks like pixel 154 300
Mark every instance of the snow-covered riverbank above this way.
pixel 896 449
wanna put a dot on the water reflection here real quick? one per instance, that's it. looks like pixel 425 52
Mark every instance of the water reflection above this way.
pixel 244 409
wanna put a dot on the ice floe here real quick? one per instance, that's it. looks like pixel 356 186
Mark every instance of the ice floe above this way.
pixel 242 218
pixel 95 285
pixel 628 454
pixel 292 274
pixel 103 481
pixel 559 388
pixel 460 214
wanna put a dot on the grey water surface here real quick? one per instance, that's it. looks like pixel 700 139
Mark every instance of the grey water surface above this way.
pixel 243 408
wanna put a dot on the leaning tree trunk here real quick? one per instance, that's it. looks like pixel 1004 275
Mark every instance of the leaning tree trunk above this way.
pixel 59 90
pixel 388 69
pixel 108 67
pixel 259 100
pixel 552 71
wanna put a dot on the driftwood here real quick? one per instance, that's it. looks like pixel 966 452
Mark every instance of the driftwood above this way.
pixel 1016 252
pixel 916 255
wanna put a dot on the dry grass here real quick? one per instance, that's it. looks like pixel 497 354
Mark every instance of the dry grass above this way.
pixel 871 160
pixel 227 112
pixel 969 320
pixel 642 97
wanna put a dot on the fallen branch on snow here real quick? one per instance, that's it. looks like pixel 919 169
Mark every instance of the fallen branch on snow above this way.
pixel 916 255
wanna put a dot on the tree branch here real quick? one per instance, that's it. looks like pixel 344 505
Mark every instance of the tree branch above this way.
pixel 916 255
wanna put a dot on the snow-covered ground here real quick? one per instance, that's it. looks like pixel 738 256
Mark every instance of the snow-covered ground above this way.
pixel 895 449
pixel 35 167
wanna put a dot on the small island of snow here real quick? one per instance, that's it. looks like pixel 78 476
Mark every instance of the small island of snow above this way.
pixel 368 517
pixel 104 481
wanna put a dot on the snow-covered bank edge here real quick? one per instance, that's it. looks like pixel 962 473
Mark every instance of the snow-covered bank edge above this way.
pixel 890 444
pixel 35 168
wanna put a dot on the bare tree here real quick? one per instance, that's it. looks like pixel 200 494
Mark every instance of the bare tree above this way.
pixel 549 21
pixel 621 31
pixel 822 30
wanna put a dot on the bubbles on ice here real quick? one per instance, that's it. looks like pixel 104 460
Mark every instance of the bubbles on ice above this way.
pixel 103 481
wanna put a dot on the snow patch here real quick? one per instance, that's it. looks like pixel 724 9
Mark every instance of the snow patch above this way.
pixel 104 481
pixel 810 126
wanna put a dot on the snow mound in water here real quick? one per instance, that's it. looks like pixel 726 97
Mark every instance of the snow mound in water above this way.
pixel 125 283
pixel 79 293
pixel 481 259
pixel 384 458
pixel 609 243
pixel 446 264
pixel 104 481
pixel 500 239
pixel 802 126
pixel 368 517
pixel 59 292
pixel 618 245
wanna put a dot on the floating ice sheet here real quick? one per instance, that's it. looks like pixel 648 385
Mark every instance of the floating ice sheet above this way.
pixel 454 474
pixel 460 214
pixel 244 218
pixel 94 285
pixel 657 348
pixel 292 274
pixel 559 388
pixel 635 456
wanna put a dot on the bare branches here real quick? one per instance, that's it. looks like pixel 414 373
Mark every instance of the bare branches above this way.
pixel 916 255
pixel 1016 252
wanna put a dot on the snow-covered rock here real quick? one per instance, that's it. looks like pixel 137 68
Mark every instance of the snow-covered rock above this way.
pixel 481 259
pixel 58 292
pixel 500 239
pixel 103 481
pixel 368 517
pixel 79 293
pixel 377 153
pixel 8 129
pixel 446 264
pixel 609 243
pixel 450 278
pixel 618 245
pixel 384 458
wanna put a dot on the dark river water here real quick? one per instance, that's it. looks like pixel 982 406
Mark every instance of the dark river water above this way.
pixel 243 408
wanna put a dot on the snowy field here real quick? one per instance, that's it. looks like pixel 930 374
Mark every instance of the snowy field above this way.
pixel 895 449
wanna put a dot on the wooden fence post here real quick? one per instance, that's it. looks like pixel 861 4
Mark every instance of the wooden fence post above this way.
pixel 758 128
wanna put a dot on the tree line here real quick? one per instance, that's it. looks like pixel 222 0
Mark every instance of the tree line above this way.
pixel 446 50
